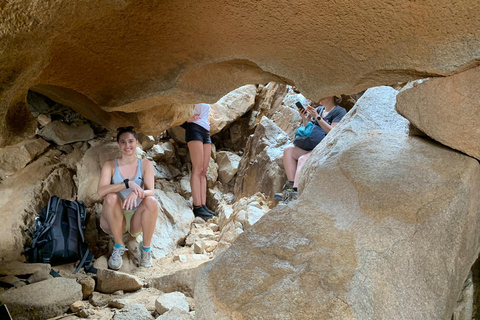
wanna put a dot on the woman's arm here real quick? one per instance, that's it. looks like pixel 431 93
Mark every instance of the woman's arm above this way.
pixel 148 179
pixel 104 186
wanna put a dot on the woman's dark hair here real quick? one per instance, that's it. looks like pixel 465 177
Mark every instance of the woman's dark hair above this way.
pixel 337 100
pixel 122 130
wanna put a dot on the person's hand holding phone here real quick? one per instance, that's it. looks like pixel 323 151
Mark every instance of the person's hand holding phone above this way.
pixel 301 110
pixel 312 112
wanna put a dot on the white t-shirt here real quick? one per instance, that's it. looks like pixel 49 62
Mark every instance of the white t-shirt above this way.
pixel 202 109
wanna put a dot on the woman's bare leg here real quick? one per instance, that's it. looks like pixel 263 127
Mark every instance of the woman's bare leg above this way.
pixel 290 158
pixel 144 219
pixel 112 219
pixel 207 150
pixel 197 180
pixel 301 162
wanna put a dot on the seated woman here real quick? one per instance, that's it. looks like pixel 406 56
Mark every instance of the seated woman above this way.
pixel 129 205
pixel 327 116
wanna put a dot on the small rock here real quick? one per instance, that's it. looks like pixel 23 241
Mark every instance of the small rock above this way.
pixel 44 119
pixel 199 247
pixel 118 293
pixel 146 142
pixel 88 285
pixel 213 226
pixel 118 303
pixel 77 306
pixel 133 312
pixel 210 245
pixel 199 220
pixel 98 299
pixel 17 268
pixel 12 281
pixel 85 313
pixel 176 314
pixel 40 275
pixel 109 281
pixel 101 263
pixel 181 257
pixel 168 301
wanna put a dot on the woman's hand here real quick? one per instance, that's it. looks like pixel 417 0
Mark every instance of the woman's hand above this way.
pixel 312 112
pixel 130 201
pixel 139 192
pixel 194 118
pixel 303 113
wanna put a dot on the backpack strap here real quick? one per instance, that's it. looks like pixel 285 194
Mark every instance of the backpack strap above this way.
pixel 80 218
pixel 87 261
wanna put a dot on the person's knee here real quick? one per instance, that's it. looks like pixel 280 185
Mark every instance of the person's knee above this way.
pixel 288 151
pixel 151 204
pixel 111 200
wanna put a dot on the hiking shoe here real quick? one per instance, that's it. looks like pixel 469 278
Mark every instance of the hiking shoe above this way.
pixel 202 213
pixel 115 261
pixel 278 196
pixel 145 257
pixel 209 211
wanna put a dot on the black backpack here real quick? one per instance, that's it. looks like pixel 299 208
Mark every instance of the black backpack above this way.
pixel 59 235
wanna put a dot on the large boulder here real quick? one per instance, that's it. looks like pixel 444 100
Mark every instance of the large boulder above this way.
pixel 374 111
pixel 16 157
pixel 261 167
pixel 446 109
pixel 89 168
pixel 42 300
pixel 397 242
pixel 231 107
pixel 145 65
pixel 23 196
pixel 173 222
pixel 62 133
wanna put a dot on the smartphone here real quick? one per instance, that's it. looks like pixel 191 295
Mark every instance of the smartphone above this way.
pixel 300 106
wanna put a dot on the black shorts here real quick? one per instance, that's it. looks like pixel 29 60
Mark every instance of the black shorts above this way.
pixel 195 132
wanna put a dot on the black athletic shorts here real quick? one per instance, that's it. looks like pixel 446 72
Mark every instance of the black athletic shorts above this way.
pixel 195 132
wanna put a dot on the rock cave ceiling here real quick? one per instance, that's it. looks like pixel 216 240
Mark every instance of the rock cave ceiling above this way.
pixel 144 63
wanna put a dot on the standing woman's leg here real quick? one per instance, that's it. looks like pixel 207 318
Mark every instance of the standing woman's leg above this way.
pixel 207 150
pixel 195 149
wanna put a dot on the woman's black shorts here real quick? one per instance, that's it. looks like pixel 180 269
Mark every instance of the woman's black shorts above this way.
pixel 195 132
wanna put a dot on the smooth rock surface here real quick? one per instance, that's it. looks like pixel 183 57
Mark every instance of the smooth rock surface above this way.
pixel 360 254
pixel 89 168
pixel 133 311
pixel 42 300
pixel 447 110
pixel 109 281
pixel 171 300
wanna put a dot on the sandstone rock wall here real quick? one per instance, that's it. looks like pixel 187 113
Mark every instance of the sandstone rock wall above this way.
pixel 144 63
pixel 447 110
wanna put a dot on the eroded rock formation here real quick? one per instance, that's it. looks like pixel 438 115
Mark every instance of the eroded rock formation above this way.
pixel 144 63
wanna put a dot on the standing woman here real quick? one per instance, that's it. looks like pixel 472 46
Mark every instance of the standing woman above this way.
pixel 127 188
pixel 199 144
